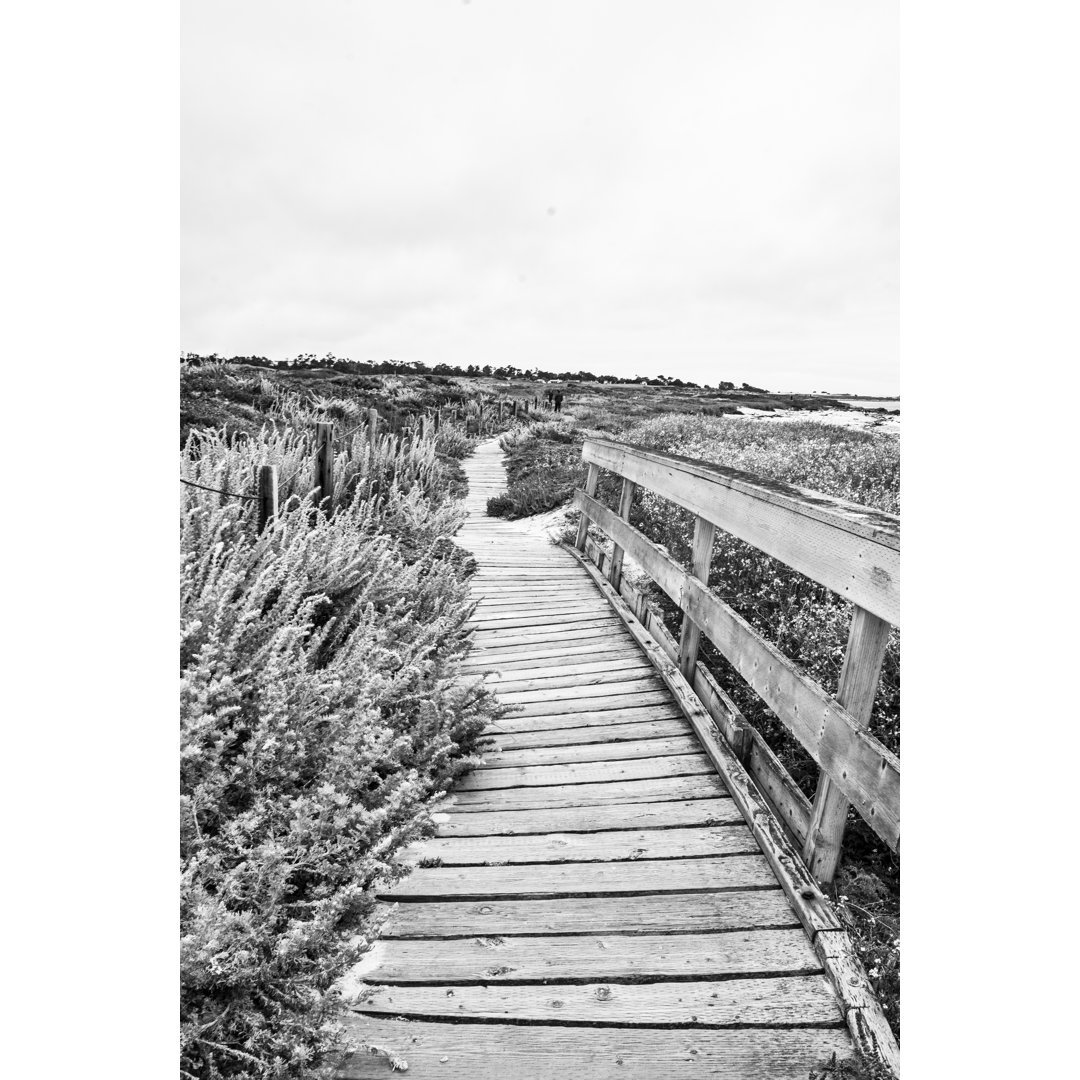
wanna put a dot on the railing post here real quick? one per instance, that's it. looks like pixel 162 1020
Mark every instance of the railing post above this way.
pixel 268 495
pixel 625 499
pixel 373 427
pixel 324 465
pixel 583 524
pixel 867 642
pixel 690 638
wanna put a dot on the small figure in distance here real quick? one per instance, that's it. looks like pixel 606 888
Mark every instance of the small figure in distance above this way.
pixel 558 400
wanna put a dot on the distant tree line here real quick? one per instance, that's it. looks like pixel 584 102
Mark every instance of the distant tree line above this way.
pixel 309 361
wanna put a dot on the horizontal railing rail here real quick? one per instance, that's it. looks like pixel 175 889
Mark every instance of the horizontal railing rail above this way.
pixel 850 549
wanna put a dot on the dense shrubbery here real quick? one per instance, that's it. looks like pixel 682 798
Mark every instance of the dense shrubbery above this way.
pixel 543 466
pixel 320 708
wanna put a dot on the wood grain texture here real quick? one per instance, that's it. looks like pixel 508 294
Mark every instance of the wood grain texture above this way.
pixel 579 719
pixel 667 788
pixel 481 1051
pixel 623 845
pixel 583 704
pixel 655 729
pixel 500 758
pixel 734 1002
pixel 714 811
pixel 750 909
pixel 867 641
pixel 587 773
pixel 579 957
pixel 584 879
pixel 581 687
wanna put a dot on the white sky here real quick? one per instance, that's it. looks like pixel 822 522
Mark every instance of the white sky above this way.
pixel 707 190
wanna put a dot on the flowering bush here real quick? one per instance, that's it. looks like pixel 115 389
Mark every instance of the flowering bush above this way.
pixel 320 709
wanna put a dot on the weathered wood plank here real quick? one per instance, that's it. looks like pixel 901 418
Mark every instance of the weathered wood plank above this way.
pixel 867 641
pixel 609 733
pixel 594 630
pixel 701 562
pixel 663 789
pixel 582 686
pixel 500 758
pixel 584 879
pixel 488 609
pixel 593 704
pixel 708 912
pixel 507 622
pixel 805 999
pixel 646 815
pixel 853 550
pixel 619 957
pixel 867 773
pixel 621 845
pixel 506 678
pixel 484 1050
pixel 523 657
pixel 586 773
pixel 578 719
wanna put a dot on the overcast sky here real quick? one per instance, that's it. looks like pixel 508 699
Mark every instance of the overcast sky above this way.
pixel 703 189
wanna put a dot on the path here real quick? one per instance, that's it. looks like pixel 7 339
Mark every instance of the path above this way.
pixel 594 904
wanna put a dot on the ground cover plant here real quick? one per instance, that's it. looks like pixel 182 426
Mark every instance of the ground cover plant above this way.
pixel 806 621
pixel 321 708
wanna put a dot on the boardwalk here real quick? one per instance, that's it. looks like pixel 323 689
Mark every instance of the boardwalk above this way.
pixel 594 904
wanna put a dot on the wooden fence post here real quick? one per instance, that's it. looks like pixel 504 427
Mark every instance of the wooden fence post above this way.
pixel 867 642
pixel 583 524
pixel 373 427
pixel 690 638
pixel 625 500
pixel 324 465
pixel 438 416
pixel 268 495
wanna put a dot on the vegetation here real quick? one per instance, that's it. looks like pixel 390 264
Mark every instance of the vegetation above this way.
pixel 321 708
pixel 805 620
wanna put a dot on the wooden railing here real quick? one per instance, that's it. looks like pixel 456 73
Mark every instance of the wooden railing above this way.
pixel 850 549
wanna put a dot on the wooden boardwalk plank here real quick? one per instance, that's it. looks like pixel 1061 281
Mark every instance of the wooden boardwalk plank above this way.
pixel 585 879
pixel 703 786
pixel 734 1002
pixel 593 718
pixel 626 700
pixel 583 686
pixel 629 844
pixel 587 773
pixel 499 758
pixel 474 1051
pixel 644 815
pixel 507 679
pixel 633 732
pixel 588 958
pixel 753 909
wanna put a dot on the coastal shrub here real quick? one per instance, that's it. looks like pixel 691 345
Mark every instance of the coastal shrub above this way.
pixel 321 709
pixel 543 466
